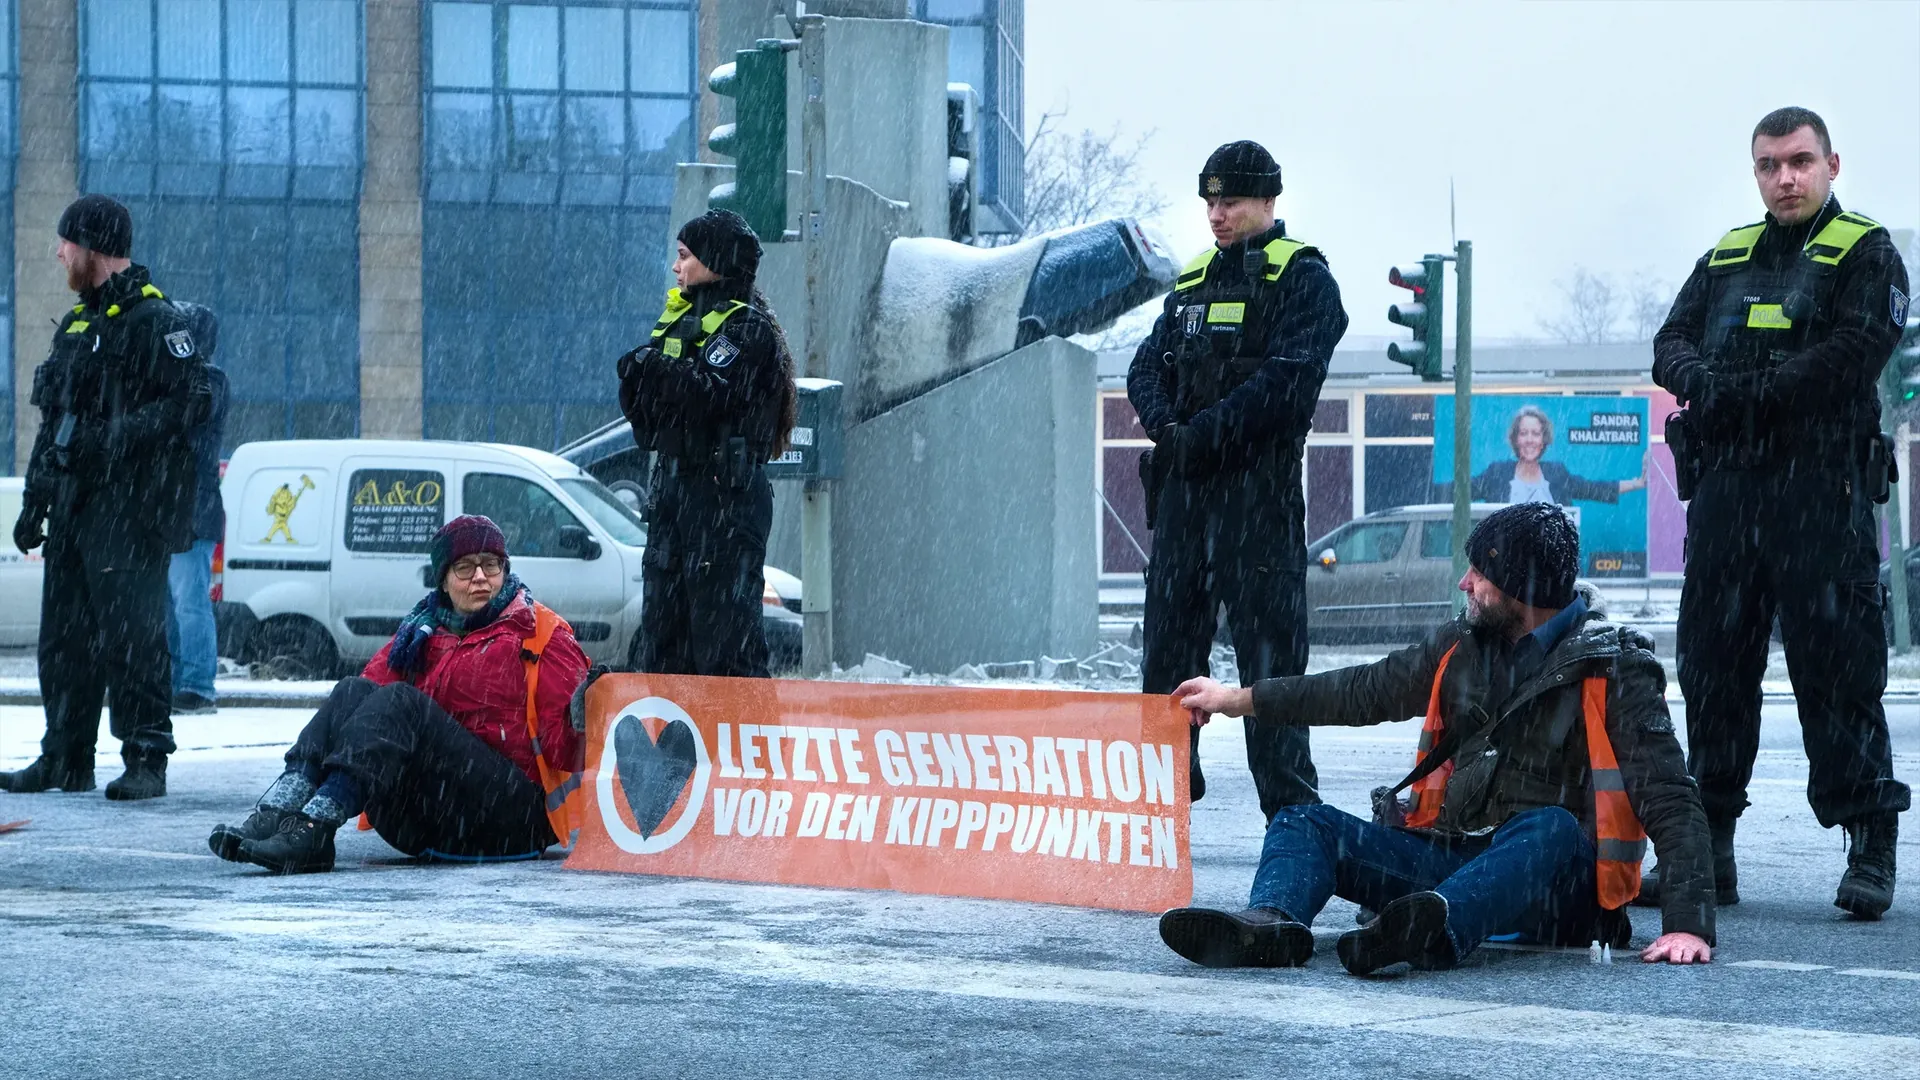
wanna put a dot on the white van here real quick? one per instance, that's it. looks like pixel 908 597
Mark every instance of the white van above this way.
pixel 20 575
pixel 326 546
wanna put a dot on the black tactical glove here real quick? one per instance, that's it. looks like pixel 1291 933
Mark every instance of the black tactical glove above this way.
pixel 1185 455
pixel 1727 403
pixel 27 533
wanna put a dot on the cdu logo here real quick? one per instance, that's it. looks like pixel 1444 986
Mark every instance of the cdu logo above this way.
pixel 655 752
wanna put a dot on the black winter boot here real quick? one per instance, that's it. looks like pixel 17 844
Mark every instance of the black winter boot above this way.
pixel 46 773
pixel 1726 875
pixel 145 778
pixel 1866 889
pixel 1256 937
pixel 1411 930
pixel 300 845
pixel 260 825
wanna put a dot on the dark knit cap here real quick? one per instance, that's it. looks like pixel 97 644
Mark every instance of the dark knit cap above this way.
pixel 724 242
pixel 1241 169
pixel 470 534
pixel 1530 551
pixel 97 223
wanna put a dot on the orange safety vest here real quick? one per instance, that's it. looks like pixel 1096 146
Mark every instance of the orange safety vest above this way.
pixel 562 788
pixel 1620 841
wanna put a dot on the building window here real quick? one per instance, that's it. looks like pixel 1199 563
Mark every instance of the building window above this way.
pixel 553 135
pixel 986 50
pixel 233 130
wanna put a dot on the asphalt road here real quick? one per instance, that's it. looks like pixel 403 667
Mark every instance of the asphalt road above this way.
pixel 126 950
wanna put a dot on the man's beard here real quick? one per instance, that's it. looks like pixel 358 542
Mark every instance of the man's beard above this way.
pixel 80 273
pixel 1500 619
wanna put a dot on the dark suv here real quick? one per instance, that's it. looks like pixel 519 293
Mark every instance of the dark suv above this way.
pixel 1386 577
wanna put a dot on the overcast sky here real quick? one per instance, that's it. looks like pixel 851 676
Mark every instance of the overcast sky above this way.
pixel 1611 135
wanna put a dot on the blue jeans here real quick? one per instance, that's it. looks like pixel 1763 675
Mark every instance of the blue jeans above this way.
pixel 190 632
pixel 1533 877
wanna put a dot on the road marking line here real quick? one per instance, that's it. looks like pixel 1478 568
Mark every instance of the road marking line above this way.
pixel 1779 965
pixel 1881 973
pixel 1275 998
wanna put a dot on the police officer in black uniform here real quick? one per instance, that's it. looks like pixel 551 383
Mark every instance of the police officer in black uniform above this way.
pixel 110 490
pixel 712 393
pixel 1225 385
pixel 1775 345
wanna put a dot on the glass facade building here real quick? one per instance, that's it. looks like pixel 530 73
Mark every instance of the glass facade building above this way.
pixel 553 131
pixel 233 130
pixel 986 50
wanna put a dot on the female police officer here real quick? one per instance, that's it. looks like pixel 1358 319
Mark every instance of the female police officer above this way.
pixel 712 392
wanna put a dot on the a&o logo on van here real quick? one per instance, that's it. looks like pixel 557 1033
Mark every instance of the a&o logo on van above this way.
pixel 656 751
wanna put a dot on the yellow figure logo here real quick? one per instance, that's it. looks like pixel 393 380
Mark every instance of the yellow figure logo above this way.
pixel 281 507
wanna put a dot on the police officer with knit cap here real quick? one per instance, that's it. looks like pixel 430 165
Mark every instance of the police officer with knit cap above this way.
pixel 1226 385
pixel 711 392
pixel 1774 345
pixel 110 491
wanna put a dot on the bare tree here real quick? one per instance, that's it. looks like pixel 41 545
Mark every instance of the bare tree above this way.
pixel 1076 178
pixel 1649 299
pixel 1589 310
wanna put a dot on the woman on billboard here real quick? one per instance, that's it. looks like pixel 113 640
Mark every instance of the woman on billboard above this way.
pixel 1529 478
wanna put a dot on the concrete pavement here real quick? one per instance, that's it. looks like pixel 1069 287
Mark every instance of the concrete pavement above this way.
pixel 130 951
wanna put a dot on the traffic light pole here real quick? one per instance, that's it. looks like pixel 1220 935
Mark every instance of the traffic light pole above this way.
pixel 1462 415
pixel 816 508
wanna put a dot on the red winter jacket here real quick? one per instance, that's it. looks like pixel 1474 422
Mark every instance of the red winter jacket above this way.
pixel 480 680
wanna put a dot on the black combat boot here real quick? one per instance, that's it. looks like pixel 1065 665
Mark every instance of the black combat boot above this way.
pixel 300 845
pixel 1726 875
pixel 46 774
pixel 145 778
pixel 1256 937
pixel 1866 889
pixel 260 825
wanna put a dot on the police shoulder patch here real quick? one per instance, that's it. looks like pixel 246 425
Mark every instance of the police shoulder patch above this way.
pixel 1898 302
pixel 722 351
pixel 1194 314
pixel 180 344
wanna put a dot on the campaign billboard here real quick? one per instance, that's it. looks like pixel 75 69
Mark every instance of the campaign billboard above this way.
pixel 1588 454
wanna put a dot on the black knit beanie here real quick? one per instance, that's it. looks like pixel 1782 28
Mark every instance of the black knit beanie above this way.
pixel 1530 551
pixel 1241 169
pixel 724 242
pixel 97 223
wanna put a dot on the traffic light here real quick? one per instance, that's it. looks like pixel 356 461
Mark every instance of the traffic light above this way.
pixel 757 138
pixel 1903 369
pixel 1423 315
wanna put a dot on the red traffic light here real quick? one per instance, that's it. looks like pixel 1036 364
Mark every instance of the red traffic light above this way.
pixel 1412 277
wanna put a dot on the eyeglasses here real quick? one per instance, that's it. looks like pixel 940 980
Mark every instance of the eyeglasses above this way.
pixel 490 565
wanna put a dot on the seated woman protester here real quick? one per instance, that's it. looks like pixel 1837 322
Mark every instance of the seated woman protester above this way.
pixel 455 740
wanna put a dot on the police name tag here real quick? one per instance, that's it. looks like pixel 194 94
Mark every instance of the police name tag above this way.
pixel 1227 313
pixel 180 344
pixel 722 352
pixel 1768 317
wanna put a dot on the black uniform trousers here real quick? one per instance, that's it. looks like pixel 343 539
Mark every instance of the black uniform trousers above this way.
pixel 103 625
pixel 1216 542
pixel 1801 542
pixel 704 577
pixel 430 785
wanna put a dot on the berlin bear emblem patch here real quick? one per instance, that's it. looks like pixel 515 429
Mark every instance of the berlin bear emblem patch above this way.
pixel 722 352
pixel 1898 304
pixel 180 344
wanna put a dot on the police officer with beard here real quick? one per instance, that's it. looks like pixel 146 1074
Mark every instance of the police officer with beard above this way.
pixel 1775 345
pixel 712 394
pixel 110 491
pixel 1226 385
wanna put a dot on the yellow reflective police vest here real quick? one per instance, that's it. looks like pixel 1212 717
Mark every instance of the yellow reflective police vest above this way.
pixel 674 346
pixel 1279 254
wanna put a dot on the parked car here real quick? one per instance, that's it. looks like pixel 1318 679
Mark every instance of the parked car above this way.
pixel 20 575
pixel 326 547
pixel 1386 577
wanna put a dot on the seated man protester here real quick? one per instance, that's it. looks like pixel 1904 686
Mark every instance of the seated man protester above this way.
pixel 455 741
pixel 1547 745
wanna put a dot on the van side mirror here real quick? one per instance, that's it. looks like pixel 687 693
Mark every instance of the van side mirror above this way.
pixel 1327 560
pixel 577 541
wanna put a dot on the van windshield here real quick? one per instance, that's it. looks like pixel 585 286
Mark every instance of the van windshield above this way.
pixel 607 509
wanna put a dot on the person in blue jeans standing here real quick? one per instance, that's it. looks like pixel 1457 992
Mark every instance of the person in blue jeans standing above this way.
pixel 191 635
pixel 1546 761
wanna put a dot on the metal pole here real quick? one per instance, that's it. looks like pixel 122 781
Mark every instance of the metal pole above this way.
pixel 816 509
pixel 1462 415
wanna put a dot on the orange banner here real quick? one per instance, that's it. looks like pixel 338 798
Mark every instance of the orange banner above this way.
pixel 1051 796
